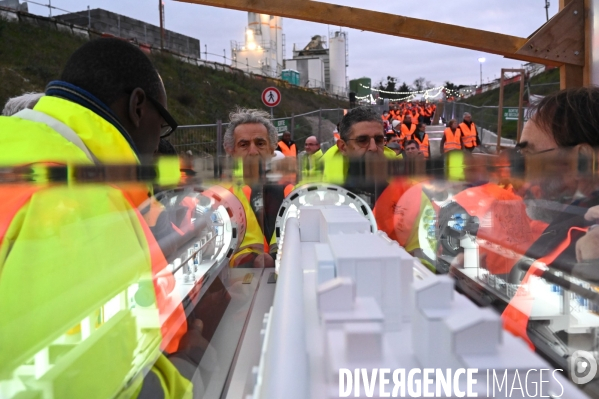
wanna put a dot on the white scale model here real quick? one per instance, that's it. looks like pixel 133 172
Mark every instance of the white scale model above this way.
pixel 348 298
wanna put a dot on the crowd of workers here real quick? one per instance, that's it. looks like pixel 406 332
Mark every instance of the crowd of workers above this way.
pixel 110 107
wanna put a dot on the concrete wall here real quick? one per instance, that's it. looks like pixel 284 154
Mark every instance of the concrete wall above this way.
pixel 129 28
pixel 14 4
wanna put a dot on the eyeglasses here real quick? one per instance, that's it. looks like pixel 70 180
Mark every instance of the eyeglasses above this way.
pixel 520 151
pixel 171 125
pixel 364 141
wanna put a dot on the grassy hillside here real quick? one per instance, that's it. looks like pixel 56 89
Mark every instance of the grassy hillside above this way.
pixel 542 84
pixel 31 56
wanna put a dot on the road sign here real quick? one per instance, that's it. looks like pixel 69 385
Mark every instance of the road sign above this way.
pixel 271 97
pixel 282 126
pixel 511 114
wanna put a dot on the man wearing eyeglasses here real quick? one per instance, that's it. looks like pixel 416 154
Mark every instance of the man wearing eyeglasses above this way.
pixel 87 241
pixel 361 134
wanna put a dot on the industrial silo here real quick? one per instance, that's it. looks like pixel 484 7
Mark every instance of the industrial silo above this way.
pixel 338 63
pixel 276 36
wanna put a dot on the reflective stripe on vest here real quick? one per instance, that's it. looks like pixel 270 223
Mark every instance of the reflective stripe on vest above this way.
pixel 517 313
pixel 468 134
pixel 452 140
pixel 58 127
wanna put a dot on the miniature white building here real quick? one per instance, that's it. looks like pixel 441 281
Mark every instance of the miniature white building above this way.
pixel 346 299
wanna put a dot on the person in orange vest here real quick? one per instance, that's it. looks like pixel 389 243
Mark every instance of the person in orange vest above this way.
pixel 287 146
pixel 386 115
pixel 336 135
pixel 452 138
pixel 407 127
pixel 421 137
pixel 469 133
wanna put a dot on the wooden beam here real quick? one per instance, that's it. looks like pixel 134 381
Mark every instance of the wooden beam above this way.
pixel 561 39
pixel 588 40
pixel 571 75
pixel 389 24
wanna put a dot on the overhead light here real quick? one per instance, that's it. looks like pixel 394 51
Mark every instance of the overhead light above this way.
pixel 252 46
pixel 482 59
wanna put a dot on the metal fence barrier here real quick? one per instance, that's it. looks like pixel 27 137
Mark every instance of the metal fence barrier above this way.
pixel 206 140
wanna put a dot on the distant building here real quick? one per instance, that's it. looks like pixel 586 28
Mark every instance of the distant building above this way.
pixel 129 28
pixel 14 4
pixel 321 66
pixel 263 50
pixel 362 87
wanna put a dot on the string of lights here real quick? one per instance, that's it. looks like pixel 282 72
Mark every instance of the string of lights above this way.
pixel 426 92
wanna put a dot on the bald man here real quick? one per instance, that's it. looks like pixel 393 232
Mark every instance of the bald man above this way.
pixel 311 167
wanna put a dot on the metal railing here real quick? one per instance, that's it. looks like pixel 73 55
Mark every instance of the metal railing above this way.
pixel 484 117
pixel 206 140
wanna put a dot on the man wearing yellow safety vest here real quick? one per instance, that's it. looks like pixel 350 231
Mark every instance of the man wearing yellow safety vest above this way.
pixel 362 137
pixel 251 139
pixel 67 249
pixel 469 133
pixel 311 167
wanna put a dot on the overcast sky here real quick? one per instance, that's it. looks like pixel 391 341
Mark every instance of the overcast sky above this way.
pixel 370 54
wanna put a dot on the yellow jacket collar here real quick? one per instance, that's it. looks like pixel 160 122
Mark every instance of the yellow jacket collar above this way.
pixel 101 137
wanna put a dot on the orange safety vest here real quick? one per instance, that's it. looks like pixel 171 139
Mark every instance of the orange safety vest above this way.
pixel 287 151
pixel 468 134
pixel 452 140
pixel 407 132
pixel 424 144
pixel 517 313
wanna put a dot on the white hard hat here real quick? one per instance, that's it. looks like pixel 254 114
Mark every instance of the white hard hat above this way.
pixel 395 123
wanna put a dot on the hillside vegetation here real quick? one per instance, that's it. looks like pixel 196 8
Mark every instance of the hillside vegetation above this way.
pixel 542 84
pixel 31 56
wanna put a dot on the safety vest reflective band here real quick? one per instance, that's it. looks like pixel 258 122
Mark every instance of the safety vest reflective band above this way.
pixel 468 134
pixel 407 132
pixel 452 140
pixel 517 313
pixel 424 144
pixel 288 151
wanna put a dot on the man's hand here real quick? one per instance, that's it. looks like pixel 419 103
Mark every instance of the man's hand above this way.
pixel 592 214
pixel 264 260
pixel 587 247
